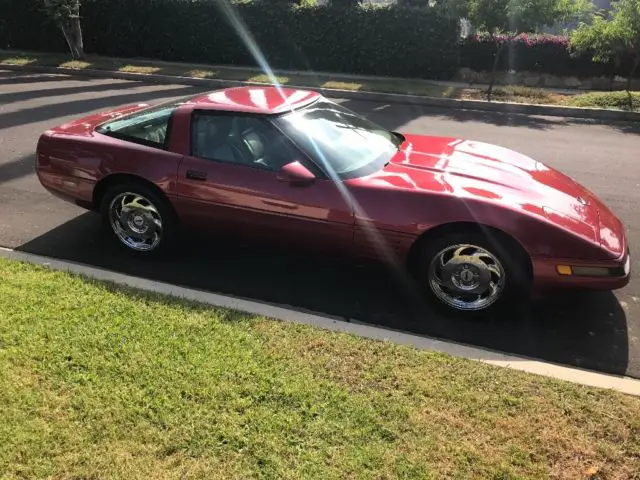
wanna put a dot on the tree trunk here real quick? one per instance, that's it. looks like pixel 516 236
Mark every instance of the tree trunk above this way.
pixel 77 31
pixel 492 80
pixel 72 31
pixel 636 63
pixel 617 62
pixel 67 38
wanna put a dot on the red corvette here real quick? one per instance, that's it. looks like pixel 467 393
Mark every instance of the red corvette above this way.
pixel 475 223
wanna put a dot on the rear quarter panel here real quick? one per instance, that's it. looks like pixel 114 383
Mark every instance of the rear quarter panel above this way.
pixel 71 165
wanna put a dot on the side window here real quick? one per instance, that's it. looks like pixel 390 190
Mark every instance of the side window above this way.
pixel 149 127
pixel 240 139
pixel 211 138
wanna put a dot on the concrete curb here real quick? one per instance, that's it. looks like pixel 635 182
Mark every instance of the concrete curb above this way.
pixel 622 384
pixel 497 107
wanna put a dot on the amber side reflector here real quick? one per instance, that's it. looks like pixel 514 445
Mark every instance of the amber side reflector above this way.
pixel 564 269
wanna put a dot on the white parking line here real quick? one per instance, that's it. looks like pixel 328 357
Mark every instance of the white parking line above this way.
pixel 575 375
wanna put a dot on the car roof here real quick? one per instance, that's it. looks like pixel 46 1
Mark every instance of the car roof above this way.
pixel 255 99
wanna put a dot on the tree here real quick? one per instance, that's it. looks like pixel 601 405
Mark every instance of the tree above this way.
pixel 344 3
pixel 454 8
pixel 414 3
pixel 503 20
pixel 66 14
pixel 295 3
pixel 613 35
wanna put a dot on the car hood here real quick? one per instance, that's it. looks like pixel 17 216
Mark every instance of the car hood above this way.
pixel 491 173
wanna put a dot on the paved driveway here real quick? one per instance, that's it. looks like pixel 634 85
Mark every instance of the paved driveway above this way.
pixel 597 331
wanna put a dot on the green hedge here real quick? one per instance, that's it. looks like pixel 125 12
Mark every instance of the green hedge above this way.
pixel 377 41
pixel 24 25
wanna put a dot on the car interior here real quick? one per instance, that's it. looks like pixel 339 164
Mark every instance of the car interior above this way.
pixel 241 140
pixel 155 132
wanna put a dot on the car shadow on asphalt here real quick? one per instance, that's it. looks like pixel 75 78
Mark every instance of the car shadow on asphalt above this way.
pixel 587 330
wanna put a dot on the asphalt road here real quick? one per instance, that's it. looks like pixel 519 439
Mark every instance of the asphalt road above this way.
pixel 592 330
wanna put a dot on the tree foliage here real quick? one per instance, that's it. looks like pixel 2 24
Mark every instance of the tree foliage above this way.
pixel 344 3
pixel 612 35
pixel 61 10
pixel 457 8
pixel 512 17
pixel 525 16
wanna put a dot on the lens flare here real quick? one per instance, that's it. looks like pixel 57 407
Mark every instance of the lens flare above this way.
pixel 361 218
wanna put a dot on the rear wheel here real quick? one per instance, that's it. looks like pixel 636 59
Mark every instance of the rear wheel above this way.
pixel 473 274
pixel 139 219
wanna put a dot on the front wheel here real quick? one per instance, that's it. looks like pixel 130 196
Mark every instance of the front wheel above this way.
pixel 141 220
pixel 472 274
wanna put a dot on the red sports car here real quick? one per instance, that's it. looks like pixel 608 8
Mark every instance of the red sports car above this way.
pixel 476 224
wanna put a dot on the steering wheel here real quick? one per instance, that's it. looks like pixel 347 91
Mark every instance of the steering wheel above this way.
pixel 256 144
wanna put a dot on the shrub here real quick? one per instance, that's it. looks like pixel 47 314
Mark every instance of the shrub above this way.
pixel 620 100
pixel 366 40
pixel 534 53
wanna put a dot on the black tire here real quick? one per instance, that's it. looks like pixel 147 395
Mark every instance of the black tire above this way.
pixel 513 260
pixel 169 220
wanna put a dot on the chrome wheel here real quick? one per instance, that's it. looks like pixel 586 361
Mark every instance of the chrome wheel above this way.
pixel 135 221
pixel 466 277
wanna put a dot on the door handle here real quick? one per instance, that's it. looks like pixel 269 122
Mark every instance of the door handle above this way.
pixel 196 175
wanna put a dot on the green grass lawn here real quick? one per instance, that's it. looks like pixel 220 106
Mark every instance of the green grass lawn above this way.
pixel 99 382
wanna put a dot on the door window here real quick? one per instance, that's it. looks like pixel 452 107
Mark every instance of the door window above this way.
pixel 240 139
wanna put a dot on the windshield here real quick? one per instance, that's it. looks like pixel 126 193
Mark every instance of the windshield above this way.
pixel 341 141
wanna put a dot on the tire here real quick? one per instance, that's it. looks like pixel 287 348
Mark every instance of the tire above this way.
pixel 147 212
pixel 490 273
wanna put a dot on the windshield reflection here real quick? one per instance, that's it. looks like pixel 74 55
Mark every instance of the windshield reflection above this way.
pixel 339 140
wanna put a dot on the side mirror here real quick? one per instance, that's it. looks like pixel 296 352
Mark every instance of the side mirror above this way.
pixel 297 174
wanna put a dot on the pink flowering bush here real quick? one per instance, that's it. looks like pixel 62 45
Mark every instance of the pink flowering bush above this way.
pixel 541 53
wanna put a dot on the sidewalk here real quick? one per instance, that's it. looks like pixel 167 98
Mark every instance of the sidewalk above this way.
pixel 347 76
pixel 609 106
pixel 400 85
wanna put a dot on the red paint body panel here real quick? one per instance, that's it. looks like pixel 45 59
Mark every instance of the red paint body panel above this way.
pixel 253 202
pixel 73 158
pixel 65 164
pixel 260 100
pixel 430 182
pixel 476 182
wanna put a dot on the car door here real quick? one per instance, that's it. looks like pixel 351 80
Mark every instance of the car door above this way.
pixel 232 182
